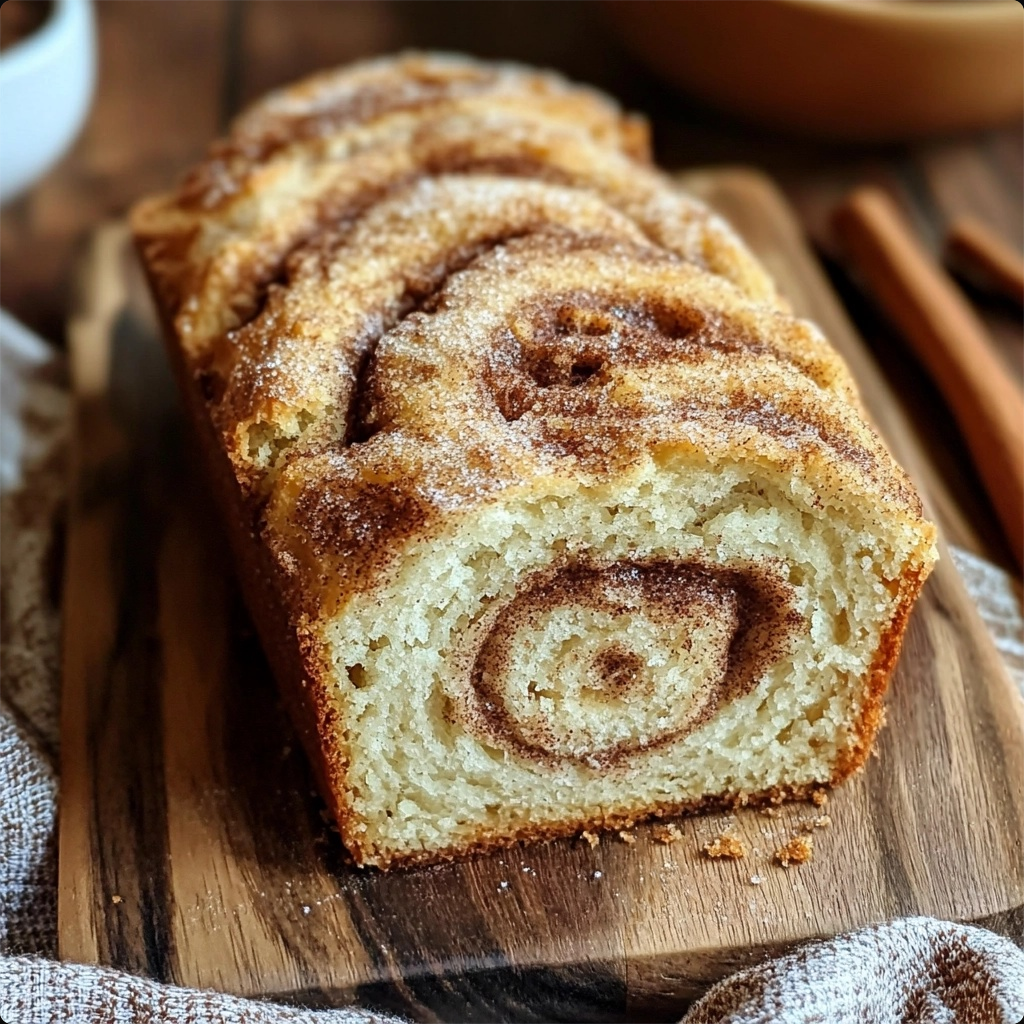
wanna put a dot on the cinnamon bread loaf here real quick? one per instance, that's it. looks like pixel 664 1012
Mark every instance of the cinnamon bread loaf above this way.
pixel 548 512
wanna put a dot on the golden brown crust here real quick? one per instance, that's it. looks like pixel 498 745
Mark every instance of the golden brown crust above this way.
pixel 295 666
pixel 316 111
pixel 487 842
pixel 872 716
pixel 219 240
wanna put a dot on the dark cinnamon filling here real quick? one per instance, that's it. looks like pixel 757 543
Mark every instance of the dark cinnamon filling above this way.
pixel 616 671
pixel 752 601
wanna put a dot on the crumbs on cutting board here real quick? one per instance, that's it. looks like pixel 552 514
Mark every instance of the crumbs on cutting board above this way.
pixel 666 834
pixel 810 824
pixel 729 844
pixel 796 849
pixel 726 846
pixel 799 850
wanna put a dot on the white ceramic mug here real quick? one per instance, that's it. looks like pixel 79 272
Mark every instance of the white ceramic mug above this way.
pixel 46 83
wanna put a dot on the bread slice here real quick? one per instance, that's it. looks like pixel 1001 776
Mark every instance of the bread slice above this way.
pixel 545 524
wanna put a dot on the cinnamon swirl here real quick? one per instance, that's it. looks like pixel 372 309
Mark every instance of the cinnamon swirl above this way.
pixel 549 514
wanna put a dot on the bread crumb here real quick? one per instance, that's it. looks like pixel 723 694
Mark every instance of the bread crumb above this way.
pixel 756 879
pixel 810 824
pixel 592 839
pixel 799 850
pixel 116 899
pixel 628 838
pixel 666 834
pixel 726 846
pixel 769 812
pixel 819 798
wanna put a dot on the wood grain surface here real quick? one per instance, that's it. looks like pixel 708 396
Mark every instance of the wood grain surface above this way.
pixel 193 847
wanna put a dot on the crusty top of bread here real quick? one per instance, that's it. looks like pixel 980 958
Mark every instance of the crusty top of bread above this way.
pixel 324 150
pixel 411 285
pixel 565 357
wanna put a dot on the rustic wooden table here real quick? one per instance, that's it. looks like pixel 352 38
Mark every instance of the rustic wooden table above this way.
pixel 172 75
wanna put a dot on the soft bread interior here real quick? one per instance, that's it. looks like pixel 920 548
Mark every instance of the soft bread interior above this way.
pixel 425 773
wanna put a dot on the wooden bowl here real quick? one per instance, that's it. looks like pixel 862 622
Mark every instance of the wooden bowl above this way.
pixel 866 70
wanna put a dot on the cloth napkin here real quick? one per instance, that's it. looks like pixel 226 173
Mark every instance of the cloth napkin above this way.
pixel 915 970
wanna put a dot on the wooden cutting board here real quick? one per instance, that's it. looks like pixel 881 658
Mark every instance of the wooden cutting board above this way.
pixel 193 847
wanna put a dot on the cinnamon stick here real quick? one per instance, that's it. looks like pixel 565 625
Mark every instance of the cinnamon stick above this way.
pixel 979 251
pixel 951 342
